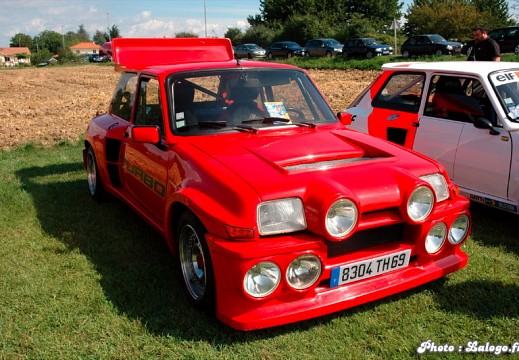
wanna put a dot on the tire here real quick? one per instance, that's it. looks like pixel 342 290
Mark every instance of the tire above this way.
pixel 345 54
pixel 249 56
pixel 516 49
pixel 95 184
pixel 195 263
pixel 307 54
pixel 438 52
pixel 289 55
pixel 328 54
pixel 369 55
pixel 406 54
pixel 269 56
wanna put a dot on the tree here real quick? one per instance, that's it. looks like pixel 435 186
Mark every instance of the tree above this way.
pixel 100 37
pixel 234 34
pixel 186 34
pixel 301 20
pixel 114 32
pixel 82 34
pixel 455 18
pixel 494 12
pixel 21 40
pixel 50 40
pixel 41 56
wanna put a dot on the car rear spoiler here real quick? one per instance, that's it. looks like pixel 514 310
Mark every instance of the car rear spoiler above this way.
pixel 143 52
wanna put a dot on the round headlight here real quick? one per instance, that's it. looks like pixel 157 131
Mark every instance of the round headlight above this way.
pixel 262 279
pixel 435 238
pixel 459 229
pixel 420 203
pixel 341 218
pixel 304 271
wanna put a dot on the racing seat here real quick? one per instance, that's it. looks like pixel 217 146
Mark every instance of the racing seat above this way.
pixel 451 102
pixel 243 94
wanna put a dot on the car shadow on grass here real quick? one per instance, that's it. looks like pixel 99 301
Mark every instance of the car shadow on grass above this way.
pixel 138 274
pixel 136 270
pixel 494 227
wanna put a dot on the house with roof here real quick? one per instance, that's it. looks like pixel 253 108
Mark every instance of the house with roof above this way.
pixel 85 48
pixel 14 56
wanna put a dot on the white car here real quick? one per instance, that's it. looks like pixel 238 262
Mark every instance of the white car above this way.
pixel 464 114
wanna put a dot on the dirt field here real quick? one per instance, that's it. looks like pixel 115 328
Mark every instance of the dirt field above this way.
pixel 49 105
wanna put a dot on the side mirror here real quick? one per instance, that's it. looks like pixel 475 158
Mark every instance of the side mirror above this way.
pixel 145 134
pixel 484 123
pixel 345 118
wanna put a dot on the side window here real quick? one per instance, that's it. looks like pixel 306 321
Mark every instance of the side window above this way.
pixel 124 95
pixel 458 98
pixel 149 111
pixel 401 92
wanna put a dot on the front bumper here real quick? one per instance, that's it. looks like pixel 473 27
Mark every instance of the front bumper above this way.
pixel 285 305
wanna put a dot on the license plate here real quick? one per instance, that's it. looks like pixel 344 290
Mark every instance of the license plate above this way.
pixel 368 268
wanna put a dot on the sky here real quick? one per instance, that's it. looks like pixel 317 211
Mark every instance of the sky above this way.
pixel 144 18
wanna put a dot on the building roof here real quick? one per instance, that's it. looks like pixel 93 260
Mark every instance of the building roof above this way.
pixel 15 50
pixel 85 45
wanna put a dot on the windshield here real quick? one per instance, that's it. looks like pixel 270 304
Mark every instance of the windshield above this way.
pixel 245 99
pixel 332 42
pixel 506 84
pixel 436 39
pixel 370 41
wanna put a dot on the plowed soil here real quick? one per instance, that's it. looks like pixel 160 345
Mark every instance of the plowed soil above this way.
pixel 46 106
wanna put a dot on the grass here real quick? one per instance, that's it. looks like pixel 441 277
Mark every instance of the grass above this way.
pixel 82 280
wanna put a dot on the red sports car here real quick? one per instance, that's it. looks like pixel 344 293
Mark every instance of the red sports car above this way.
pixel 276 211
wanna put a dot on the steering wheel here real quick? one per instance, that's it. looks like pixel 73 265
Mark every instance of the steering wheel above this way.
pixel 300 116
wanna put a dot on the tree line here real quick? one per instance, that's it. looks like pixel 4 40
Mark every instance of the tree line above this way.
pixel 49 43
pixel 301 20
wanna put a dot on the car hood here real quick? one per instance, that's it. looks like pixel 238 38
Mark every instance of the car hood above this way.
pixel 286 165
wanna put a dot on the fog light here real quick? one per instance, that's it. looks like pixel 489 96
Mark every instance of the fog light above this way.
pixel 435 238
pixel 459 229
pixel 262 279
pixel 304 271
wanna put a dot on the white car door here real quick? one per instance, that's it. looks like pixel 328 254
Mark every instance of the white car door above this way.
pixel 482 163
pixel 476 160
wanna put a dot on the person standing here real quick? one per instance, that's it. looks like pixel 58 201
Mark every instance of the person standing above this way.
pixel 485 48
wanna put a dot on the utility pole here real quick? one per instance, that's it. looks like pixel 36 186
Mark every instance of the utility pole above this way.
pixel 109 35
pixel 205 19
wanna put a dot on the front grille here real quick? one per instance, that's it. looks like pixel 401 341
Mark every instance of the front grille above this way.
pixel 365 239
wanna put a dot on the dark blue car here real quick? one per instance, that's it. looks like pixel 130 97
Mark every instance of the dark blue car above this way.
pixel 285 49
pixel 365 47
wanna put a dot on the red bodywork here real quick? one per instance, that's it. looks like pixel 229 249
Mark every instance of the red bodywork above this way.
pixel 222 179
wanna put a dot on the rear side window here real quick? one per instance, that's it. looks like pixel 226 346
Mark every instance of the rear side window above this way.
pixel 402 92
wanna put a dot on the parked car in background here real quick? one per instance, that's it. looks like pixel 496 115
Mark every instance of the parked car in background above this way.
pixel 507 38
pixel 430 44
pixel 466 117
pixel 285 49
pixel 249 51
pixel 274 210
pixel 323 47
pixel 365 47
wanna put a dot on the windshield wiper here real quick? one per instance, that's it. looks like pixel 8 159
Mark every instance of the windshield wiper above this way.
pixel 267 120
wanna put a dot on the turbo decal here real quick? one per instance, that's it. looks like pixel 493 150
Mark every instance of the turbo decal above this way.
pixel 145 178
